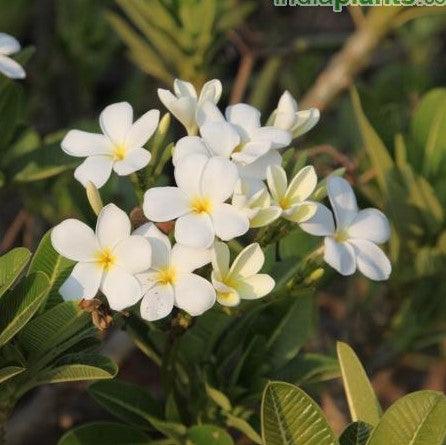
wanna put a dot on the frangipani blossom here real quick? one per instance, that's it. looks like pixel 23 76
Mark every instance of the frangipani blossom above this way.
pixel 241 280
pixel 184 104
pixel 9 67
pixel 119 148
pixel 107 259
pixel 352 243
pixel 170 282
pixel 198 201
pixel 256 203
pixel 292 199
pixel 287 117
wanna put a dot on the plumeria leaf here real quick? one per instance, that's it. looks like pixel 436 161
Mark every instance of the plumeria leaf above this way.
pixel 208 434
pixel 104 433
pixel 11 265
pixel 20 304
pixel 9 372
pixel 286 411
pixel 356 433
pixel 417 418
pixel 219 398
pixel 362 401
pixel 126 401
pixel 242 425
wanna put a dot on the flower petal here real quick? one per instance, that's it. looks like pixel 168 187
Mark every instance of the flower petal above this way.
pixel 193 294
pixel 135 160
pixel 208 112
pixel 277 137
pixel 183 109
pixel 305 121
pixel 285 116
pixel 211 91
pixel 230 298
pixel 159 243
pixel 370 224
pixel 186 146
pixel 277 182
pixel 95 169
pixel 183 88
pixel 81 143
pixel 255 286
pixel 10 68
pixel 142 130
pixel 187 259
pixel 195 230
pixel 83 282
pixel 188 173
pixel 220 137
pixel 245 118
pixel 248 262
pixel 157 302
pixel 303 184
pixel 342 200
pixel 113 226
pixel 116 121
pixel 257 169
pixel 218 180
pixel 371 260
pixel 75 240
pixel 133 254
pixel 121 289
pixel 251 151
pixel 8 44
pixel 220 259
pixel 229 222
pixel 265 216
pixel 302 212
pixel 165 203
pixel 340 256
pixel 321 223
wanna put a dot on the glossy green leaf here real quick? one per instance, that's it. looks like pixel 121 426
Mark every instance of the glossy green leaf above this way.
pixel 104 433
pixel 20 304
pixel 356 433
pixel 361 398
pixel 9 372
pixel 416 419
pixel 291 417
pixel 207 435
pixel 11 265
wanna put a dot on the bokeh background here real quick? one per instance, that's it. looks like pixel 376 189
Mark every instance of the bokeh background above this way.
pixel 81 55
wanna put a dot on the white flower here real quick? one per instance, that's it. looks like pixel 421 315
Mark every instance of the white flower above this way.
pixel 198 201
pixel 185 104
pixel 119 148
pixel 241 280
pixel 292 199
pixel 107 259
pixel 9 67
pixel 170 282
pixel 256 203
pixel 287 117
pixel 352 243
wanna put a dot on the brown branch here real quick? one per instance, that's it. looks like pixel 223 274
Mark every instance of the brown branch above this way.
pixel 13 230
pixel 335 154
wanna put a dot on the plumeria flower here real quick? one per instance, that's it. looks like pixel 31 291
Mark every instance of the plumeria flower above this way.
pixel 256 203
pixel 119 148
pixel 241 280
pixel 9 67
pixel 198 201
pixel 287 117
pixel 170 282
pixel 292 199
pixel 107 260
pixel 184 104
pixel 352 243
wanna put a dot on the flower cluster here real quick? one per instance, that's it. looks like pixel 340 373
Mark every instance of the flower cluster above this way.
pixel 228 178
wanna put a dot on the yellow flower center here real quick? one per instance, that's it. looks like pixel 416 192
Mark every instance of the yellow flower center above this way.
pixel 285 203
pixel 119 152
pixel 341 236
pixel 238 148
pixel 201 205
pixel 105 259
pixel 167 275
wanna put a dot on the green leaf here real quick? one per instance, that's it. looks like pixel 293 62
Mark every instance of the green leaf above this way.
pixel 104 433
pixel 291 417
pixel 377 152
pixel 242 425
pixel 55 266
pixel 128 402
pixel 356 433
pixel 9 372
pixel 11 265
pixel 20 304
pixel 208 434
pixel 86 367
pixel 361 398
pixel 218 397
pixel 416 419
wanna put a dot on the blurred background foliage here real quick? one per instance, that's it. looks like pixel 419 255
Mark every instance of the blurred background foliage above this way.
pixel 389 134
